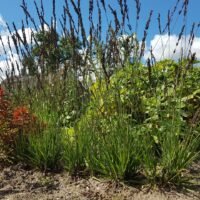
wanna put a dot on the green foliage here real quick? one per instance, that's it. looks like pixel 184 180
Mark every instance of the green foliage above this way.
pixel 119 96
pixel 178 152
pixel 136 119
pixel 73 102
pixel 131 90
pixel 137 123
pixel 50 51
pixel 44 151
pixel 132 108
pixel 77 148
pixel 114 154
pixel 172 147
pixel 47 50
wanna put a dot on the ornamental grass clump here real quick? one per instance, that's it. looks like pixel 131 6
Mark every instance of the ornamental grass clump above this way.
pixel 43 151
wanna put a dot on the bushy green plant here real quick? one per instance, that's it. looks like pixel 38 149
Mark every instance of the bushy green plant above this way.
pixel 120 95
pixel 44 151
pixel 76 149
pixel 177 155
pixel 172 146
pixel 114 153
pixel 154 115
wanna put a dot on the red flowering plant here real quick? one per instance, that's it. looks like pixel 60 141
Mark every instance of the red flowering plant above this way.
pixel 6 131
pixel 14 120
pixel 23 119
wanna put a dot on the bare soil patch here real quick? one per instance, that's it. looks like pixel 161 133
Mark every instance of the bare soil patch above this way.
pixel 17 183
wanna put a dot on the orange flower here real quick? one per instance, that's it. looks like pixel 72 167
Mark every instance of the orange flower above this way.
pixel 21 116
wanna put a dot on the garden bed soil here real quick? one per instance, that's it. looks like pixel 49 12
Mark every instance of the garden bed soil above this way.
pixel 18 183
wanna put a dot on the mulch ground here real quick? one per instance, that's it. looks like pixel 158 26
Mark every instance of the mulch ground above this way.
pixel 18 183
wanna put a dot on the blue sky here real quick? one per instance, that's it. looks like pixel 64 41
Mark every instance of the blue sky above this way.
pixel 10 11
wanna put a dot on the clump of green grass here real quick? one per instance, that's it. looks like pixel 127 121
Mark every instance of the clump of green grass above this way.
pixel 169 151
pixel 113 153
pixel 43 151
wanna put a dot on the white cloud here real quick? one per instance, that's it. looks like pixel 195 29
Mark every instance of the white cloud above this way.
pixel 163 47
pixel 28 32
pixel 6 66
pixel 3 68
pixel 3 27
pixel 11 57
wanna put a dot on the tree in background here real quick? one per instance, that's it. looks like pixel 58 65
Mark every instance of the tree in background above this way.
pixel 50 52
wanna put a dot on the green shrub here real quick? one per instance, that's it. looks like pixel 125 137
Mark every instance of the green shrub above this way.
pixel 131 115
